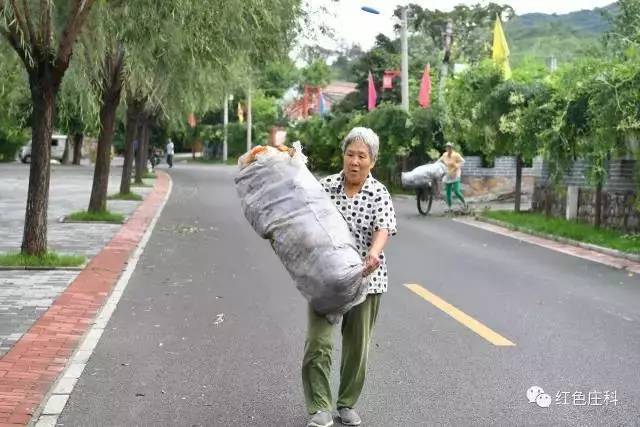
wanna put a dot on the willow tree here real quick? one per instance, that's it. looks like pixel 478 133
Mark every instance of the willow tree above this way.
pixel 191 67
pixel 43 34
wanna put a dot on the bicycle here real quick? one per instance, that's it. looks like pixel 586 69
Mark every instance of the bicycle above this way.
pixel 424 198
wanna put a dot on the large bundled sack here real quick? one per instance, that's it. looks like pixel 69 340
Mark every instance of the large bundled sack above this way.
pixel 285 204
pixel 422 175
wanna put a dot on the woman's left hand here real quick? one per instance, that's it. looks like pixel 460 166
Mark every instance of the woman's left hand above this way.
pixel 371 263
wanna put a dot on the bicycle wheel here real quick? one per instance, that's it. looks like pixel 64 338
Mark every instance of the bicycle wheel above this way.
pixel 424 199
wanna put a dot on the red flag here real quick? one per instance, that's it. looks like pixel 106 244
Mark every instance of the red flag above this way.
pixel 372 93
pixel 424 97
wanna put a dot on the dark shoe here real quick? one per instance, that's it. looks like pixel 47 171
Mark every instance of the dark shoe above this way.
pixel 349 417
pixel 321 419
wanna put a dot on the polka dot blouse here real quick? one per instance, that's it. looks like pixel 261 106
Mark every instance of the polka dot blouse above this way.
pixel 366 212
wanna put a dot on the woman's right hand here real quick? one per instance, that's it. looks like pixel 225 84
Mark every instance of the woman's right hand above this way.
pixel 371 263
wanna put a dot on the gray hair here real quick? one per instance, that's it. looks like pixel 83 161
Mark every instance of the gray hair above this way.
pixel 365 135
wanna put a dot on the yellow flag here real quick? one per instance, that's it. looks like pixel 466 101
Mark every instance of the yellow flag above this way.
pixel 240 113
pixel 501 50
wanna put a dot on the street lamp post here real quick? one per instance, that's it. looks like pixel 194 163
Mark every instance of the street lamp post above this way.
pixel 405 61
pixel 446 62
pixel 227 98
pixel 404 52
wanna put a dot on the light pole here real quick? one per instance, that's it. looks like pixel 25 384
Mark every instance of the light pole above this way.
pixel 249 119
pixel 405 61
pixel 446 62
pixel 404 53
pixel 227 98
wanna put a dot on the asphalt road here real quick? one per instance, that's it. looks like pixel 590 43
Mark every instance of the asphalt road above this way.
pixel 211 329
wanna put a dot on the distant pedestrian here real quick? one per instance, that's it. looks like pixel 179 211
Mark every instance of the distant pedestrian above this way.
pixel 454 161
pixel 170 153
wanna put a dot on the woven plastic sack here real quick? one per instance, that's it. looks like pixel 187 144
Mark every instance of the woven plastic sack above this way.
pixel 422 175
pixel 285 204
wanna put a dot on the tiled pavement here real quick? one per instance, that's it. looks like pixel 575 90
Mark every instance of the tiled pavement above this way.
pixel 25 295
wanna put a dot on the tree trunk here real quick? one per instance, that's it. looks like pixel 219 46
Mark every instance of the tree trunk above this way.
pixel 146 134
pixel 518 191
pixel 43 96
pixel 77 148
pixel 141 155
pixel 112 89
pixel 548 201
pixel 598 213
pixel 67 152
pixel 133 115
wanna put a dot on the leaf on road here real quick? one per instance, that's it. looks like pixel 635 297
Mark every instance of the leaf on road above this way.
pixel 219 319
pixel 186 229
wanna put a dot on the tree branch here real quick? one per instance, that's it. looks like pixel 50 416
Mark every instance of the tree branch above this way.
pixel 71 30
pixel 29 25
pixel 22 25
pixel 13 40
pixel 45 23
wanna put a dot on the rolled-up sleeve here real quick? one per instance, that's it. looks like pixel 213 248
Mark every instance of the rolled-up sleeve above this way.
pixel 384 213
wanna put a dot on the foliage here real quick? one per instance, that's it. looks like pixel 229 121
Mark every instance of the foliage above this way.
pixel 467 111
pixel 471 25
pixel 317 73
pixel 236 138
pixel 277 77
pixel 624 31
pixel 14 109
pixel 568 229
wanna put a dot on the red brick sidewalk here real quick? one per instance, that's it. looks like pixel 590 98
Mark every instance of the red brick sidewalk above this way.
pixel 32 366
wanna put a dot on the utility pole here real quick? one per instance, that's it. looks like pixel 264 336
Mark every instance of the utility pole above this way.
pixel 225 128
pixel 446 62
pixel 405 61
pixel 249 120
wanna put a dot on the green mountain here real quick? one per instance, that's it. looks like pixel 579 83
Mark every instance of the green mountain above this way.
pixel 565 36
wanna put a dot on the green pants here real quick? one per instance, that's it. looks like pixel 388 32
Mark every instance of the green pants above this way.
pixel 357 326
pixel 455 187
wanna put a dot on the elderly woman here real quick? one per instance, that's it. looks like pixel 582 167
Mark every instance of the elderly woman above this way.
pixel 453 161
pixel 366 206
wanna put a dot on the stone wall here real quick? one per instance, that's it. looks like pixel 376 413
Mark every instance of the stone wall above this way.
pixel 500 179
pixel 618 209
pixel 619 200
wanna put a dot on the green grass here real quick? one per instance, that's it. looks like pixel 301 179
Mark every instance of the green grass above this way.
pixel 127 196
pixel 574 230
pixel 104 216
pixel 149 175
pixel 50 259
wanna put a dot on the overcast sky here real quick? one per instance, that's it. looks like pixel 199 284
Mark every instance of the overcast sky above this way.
pixel 353 25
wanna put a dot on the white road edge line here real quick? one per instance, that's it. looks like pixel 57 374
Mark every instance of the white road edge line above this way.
pixel 62 389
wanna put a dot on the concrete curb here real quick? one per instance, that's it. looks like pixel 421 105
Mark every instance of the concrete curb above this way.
pixel 589 246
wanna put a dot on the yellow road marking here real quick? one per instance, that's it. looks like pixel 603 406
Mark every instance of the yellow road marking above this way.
pixel 468 321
